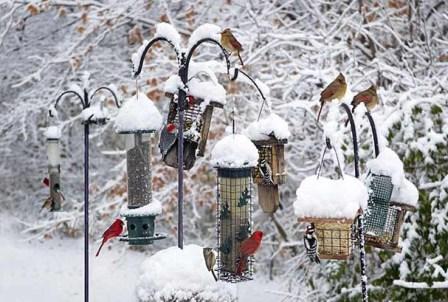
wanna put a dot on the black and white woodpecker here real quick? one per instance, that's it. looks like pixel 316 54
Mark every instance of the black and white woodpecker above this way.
pixel 311 244
pixel 266 172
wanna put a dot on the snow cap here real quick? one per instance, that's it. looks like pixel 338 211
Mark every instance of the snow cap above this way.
pixel 235 151
pixel 272 126
pixel 151 209
pixel 406 193
pixel 138 114
pixel 387 163
pixel 53 133
pixel 95 113
pixel 206 90
pixel 167 31
pixel 327 198
pixel 205 31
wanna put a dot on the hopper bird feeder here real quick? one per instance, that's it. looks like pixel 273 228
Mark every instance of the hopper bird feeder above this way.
pixel 137 120
pixel 333 206
pixel 202 97
pixel 269 135
pixel 234 157
pixel 53 136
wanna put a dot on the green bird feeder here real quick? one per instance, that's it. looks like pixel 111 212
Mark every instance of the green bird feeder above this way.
pixel 137 120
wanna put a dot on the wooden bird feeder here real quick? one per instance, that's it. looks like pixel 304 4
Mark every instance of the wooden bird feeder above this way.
pixel 234 205
pixel 54 166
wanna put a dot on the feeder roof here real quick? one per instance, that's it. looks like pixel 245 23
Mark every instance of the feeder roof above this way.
pixel 234 151
pixel 387 163
pixel 152 209
pixel 327 198
pixel 94 113
pixel 272 126
pixel 406 193
pixel 205 31
pixel 53 132
pixel 175 274
pixel 138 114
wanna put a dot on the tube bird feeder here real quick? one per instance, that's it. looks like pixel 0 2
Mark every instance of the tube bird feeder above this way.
pixel 137 120
pixel 53 136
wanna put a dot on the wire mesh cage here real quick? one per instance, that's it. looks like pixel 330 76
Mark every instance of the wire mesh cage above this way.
pixel 234 222
pixel 390 235
pixel 197 120
pixel 334 237
pixel 380 191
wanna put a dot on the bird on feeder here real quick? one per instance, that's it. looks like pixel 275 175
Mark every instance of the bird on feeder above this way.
pixel 171 128
pixel 335 90
pixel 231 44
pixel 266 172
pixel 369 97
pixel 48 204
pixel 310 243
pixel 113 231
pixel 210 260
pixel 247 248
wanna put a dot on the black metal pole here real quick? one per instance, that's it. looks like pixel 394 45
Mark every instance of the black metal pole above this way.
pixel 374 134
pixel 86 212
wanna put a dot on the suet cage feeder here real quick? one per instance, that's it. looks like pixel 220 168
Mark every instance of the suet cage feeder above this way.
pixel 54 166
pixel 272 153
pixel 234 219
pixel 197 119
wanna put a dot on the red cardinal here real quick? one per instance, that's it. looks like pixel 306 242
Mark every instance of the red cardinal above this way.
pixel 170 128
pixel 248 247
pixel 113 231
pixel 46 182
pixel 191 100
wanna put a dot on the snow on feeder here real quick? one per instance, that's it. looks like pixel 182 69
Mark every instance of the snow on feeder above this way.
pixel 137 119
pixel 333 206
pixel 53 135
pixel 234 157
pixel 269 136
pixel 202 97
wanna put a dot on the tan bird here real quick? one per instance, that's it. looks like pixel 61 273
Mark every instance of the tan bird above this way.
pixel 335 90
pixel 210 260
pixel 231 44
pixel 48 204
pixel 369 97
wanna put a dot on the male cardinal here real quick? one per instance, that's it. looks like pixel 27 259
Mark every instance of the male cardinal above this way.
pixel 210 260
pixel 335 90
pixel 113 231
pixel 369 97
pixel 191 101
pixel 46 182
pixel 247 248
pixel 170 128
pixel 231 44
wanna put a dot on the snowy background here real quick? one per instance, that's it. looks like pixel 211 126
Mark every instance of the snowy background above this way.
pixel 295 48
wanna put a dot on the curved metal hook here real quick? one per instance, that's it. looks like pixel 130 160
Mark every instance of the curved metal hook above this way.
pixel 148 46
pixel 108 89
pixel 64 93
pixel 374 133
pixel 354 137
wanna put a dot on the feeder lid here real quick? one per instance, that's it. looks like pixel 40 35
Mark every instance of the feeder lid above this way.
pixel 234 151
pixel 175 274
pixel 389 164
pixel 154 208
pixel 53 133
pixel 328 198
pixel 272 126
pixel 138 114
pixel 406 193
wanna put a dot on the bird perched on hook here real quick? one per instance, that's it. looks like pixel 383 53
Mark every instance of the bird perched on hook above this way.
pixel 247 248
pixel 113 231
pixel 310 243
pixel 231 44
pixel 210 260
pixel 335 90
pixel 266 172
pixel 369 97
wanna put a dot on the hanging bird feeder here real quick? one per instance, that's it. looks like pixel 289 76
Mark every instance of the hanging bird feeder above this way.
pixel 202 97
pixel 269 136
pixel 53 136
pixel 332 205
pixel 137 120
pixel 234 157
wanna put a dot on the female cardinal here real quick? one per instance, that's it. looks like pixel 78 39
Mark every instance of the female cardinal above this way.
pixel 231 44
pixel 113 231
pixel 335 90
pixel 247 248
pixel 369 97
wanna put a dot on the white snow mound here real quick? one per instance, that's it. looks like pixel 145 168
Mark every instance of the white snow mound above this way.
pixel 180 275
pixel 271 126
pixel 406 193
pixel 153 208
pixel 94 113
pixel 205 31
pixel 327 198
pixel 53 132
pixel 387 163
pixel 167 31
pixel 138 113
pixel 234 151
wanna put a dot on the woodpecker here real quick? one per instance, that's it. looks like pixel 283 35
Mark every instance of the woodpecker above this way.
pixel 266 172
pixel 311 244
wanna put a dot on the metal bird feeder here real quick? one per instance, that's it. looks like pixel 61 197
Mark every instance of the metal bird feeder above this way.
pixel 197 119
pixel 234 220
pixel 54 167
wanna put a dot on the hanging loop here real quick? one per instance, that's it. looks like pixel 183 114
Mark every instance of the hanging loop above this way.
pixel 328 146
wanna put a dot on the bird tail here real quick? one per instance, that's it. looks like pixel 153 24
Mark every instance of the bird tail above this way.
pixel 317 259
pixel 101 246
pixel 320 109
pixel 214 275
pixel 241 60
pixel 241 265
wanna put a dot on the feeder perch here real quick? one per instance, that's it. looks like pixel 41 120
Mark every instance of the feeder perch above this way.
pixel 234 157
pixel 137 120
pixel 54 166
pixel 202 97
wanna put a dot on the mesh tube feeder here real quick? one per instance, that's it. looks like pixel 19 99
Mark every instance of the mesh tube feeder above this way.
pixel 137 120
pixel 53 136
pixel 202 98
pixel 234 157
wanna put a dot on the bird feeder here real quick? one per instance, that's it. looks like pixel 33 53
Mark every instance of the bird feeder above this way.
pixel 234 157
pixel 137 120
pixel 202 97
pixel 269 135
pixel 53 136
